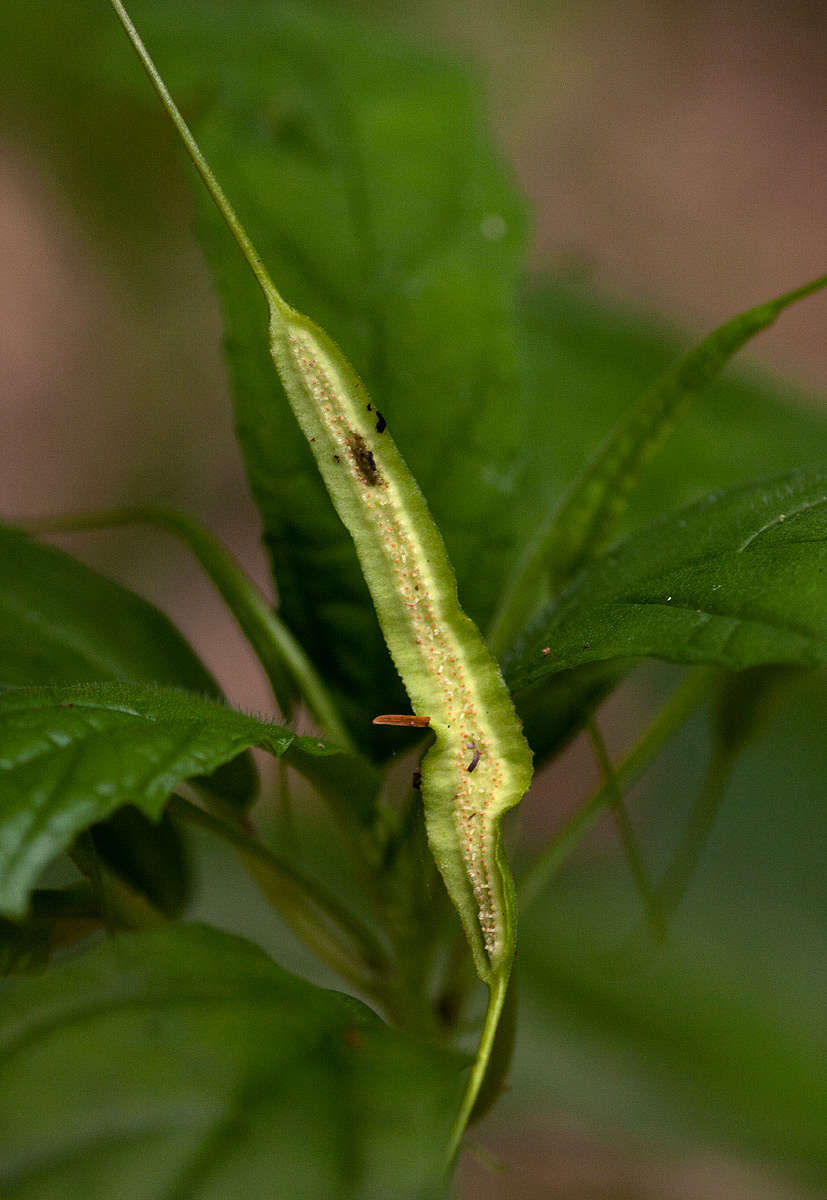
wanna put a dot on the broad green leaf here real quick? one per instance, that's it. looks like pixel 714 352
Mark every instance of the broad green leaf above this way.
pixel 71 756
pixel 185 1062
pixel 61 622
pixel 361 173
pixel 586 519
pixel 285 663
pixel 738 580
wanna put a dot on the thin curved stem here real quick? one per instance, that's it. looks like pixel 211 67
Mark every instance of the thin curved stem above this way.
pixel 201 165
pixel 678 874
pixel 496 999
pixel 626 833
pixel 690 694
pixel 316 916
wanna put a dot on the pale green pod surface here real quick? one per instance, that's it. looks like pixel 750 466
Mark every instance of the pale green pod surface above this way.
pixel 480 763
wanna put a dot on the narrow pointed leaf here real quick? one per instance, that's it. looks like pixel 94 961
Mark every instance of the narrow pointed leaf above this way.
pixel 588 364
pixel 183 1061
pixel 71 756
pixel 587 517
pixel 738 580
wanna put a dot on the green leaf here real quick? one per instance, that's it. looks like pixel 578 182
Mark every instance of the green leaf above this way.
pixel 61 622
pixel 588 364
pixel 283 660
pixel 586 518
pixel 738 580
pixel 183 1061
pixel 361 173
pixel 70 756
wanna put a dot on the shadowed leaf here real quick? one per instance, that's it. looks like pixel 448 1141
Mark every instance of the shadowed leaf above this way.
pixel 183 1061
pixel 72 756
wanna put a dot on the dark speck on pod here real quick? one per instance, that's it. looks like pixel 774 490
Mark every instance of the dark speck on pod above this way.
pixel 381 423
pixel 363 458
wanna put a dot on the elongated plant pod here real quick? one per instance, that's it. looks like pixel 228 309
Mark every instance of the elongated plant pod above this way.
pixel 479 765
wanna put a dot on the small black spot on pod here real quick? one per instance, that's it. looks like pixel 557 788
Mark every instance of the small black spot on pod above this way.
pixel 336 458
pixel 381 423
pixel 363 458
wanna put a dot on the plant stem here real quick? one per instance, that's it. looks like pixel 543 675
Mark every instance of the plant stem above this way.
pixel 626 833
pixel 201 165
pixel 688 696
pixel 317 917
pixel 682 866
pixel 496 999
